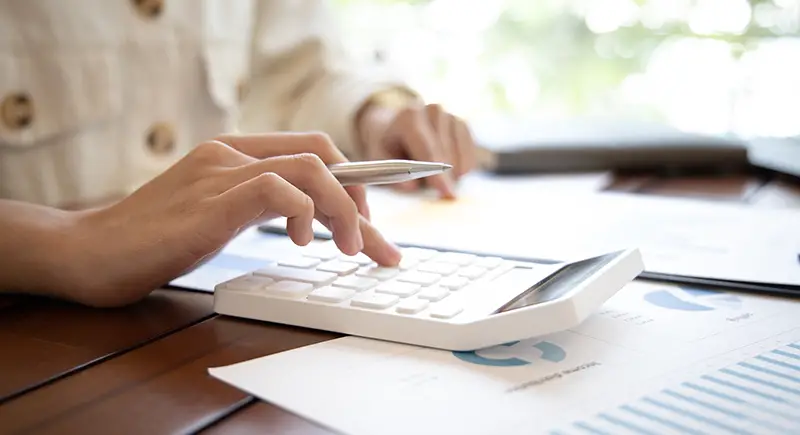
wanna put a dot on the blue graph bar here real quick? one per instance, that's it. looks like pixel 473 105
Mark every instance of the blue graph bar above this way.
pixel 591 429
pixel 704 404
pixel 694 416
pixel 778 363
pixel 626 424
pixel 728 412
pixel 786 354
pixel 660 420
pixel 741 404
pixel 761 381
pixel 770 372
pixel 745 389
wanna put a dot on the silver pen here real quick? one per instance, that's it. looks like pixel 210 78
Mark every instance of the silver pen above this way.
pixel 385 171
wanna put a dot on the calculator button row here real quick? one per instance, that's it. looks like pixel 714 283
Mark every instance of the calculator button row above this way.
pixel 330 294
pixel 361 259
pixel 433 293
pixel 438 268
pixel 422 278
pixel 289 288
pixel 445 311
pixel 402 289
pixel 374 300
pixel 248 283
pixel 412 306
pixel 377 272
pixel 338 267
pixel 454 282
pixel 356 283
pixel 472 272
pixel 315 277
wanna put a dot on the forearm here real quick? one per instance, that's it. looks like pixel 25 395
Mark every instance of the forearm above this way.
pixel 34 257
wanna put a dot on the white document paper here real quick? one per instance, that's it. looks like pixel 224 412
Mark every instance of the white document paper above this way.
pixel 686 237
pixel 656 359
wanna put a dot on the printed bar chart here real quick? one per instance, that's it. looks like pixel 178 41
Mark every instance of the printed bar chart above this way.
pixel 759 395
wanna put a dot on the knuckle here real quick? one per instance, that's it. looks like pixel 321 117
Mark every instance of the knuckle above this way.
pixel 269 179
pixel 267 183
pixel 434 108
pixel 321 143
pixel 209 150
pixel 309 161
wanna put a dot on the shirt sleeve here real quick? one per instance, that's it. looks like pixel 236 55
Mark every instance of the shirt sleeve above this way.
pixel 301 76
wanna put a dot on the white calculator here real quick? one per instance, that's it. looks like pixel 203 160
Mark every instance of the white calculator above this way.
pixel 440 299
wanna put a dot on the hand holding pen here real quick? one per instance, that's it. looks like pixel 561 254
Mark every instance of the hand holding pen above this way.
pixel 185 215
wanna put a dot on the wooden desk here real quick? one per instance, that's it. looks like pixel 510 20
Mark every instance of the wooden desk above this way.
pixel 142 369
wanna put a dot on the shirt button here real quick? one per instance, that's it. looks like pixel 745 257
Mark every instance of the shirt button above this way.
pixel 17 111
pixel 149 8
pixel 161 138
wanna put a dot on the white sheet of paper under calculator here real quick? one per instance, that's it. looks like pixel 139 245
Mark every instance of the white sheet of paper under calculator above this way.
pixel 655 359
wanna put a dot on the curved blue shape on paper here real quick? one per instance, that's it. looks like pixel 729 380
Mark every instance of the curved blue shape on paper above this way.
pixel 550 352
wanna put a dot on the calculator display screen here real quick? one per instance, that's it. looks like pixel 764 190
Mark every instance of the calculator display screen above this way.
pixel 558 283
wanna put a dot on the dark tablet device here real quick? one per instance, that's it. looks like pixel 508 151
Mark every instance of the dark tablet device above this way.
pixel 598 145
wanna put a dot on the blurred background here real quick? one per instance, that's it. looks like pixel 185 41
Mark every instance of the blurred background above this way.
pixel 705 66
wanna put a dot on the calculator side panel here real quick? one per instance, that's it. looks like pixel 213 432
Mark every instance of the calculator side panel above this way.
pixel 557 315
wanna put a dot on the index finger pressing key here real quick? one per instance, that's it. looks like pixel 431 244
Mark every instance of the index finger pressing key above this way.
pixel 334 206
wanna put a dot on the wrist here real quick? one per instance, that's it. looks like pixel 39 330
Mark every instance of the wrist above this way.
pixel 37 250
pixel 377 114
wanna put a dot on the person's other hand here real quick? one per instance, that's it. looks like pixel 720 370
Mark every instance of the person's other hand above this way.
pixel 419 132
pixel 186 214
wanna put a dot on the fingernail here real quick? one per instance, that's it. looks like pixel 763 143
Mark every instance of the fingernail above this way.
pixel 395 253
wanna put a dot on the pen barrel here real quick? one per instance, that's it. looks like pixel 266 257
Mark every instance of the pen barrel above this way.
pixel 384 171
pixel 373 177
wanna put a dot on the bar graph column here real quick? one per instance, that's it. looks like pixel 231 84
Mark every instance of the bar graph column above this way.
pixel 760 395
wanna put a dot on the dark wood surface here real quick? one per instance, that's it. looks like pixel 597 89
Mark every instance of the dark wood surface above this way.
pixel 143 368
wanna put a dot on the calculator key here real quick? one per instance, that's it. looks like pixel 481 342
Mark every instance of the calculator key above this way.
pixel 289 288
pixel 419 253
pixel 330 294
pixel 293 274
pixel 438 268
pixel 457 258
pixel 357 283
pixel 445 310
pixel 377 272
pixel 412 306
pixel 472 272
pixel 407 263
pixel 422 278
pixel 374 300
pixel 248 283
pixel 339 267
pixel 433 293
pixel 402 289
pixel 361 259
pixel 300 262
pixel 489 262
pixel 454 282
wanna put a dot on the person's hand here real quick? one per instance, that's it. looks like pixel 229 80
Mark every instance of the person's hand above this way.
pixel 186 214
pixel 421 132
